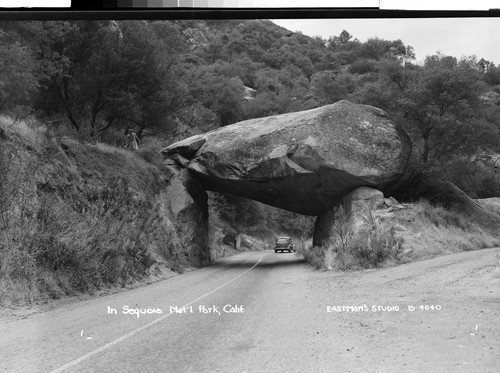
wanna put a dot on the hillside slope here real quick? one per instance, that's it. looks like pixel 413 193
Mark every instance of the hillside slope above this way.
pixel 76 217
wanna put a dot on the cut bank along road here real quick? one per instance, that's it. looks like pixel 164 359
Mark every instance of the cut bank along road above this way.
pixel 267 312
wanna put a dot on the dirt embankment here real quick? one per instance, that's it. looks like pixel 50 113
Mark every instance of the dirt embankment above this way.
pixel 78 217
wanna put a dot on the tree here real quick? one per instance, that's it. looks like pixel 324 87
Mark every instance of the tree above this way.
pixel 492 74
pixel 437 104
pixel 63 50
pixel 329 86
pixel 100 73
pixel 484 64
pixel 339 41
pixel 345 50
pixel 152 92
pixel 222 94
pixel 440 105
pixel 18 78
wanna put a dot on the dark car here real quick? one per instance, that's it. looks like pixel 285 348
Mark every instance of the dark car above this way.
pixel 284 244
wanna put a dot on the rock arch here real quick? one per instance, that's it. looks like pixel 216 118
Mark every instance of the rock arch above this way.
pixel 305 162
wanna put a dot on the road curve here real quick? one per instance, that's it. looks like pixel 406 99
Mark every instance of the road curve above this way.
pixel 273 314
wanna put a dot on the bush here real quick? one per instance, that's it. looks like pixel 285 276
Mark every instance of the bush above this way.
pixel 114 137
pixel 315 256
pixel 476 178
pixel 370 246
pixel 151 156
pixel 496 88
pixel 442 217
pixel 363 66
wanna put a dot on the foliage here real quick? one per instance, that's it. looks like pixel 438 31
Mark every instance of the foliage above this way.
pixel 438 106
pixel 101 72
pixel 240 213
pixel 18 80
pixel 325 87
pixel 370 246
pixel 315 256
pixel 374 247
pixel 236 215
pixel 415 232
pixel 492 74
pixel 218 92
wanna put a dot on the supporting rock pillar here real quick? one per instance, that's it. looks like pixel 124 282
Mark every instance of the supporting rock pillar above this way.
pixel 357 204
pixel 323 228
pixel 188 209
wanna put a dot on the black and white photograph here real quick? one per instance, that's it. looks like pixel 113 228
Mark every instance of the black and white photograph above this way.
pixel 223 192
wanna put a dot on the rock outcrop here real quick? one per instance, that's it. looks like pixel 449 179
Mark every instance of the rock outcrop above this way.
pixel 188 209
pixel 249 93
pixel 304 162
pixel 309 162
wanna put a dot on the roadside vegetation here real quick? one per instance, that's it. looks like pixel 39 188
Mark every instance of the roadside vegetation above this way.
pixel 417 231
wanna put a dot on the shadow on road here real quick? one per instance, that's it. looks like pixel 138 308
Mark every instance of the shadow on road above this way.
pixel 268 262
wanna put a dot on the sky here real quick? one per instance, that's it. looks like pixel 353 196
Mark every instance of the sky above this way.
pixel 451 36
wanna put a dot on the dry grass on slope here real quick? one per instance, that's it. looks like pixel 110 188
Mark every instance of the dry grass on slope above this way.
pixel 77 217
pixel 491 204
pixel 433 230
pixel 415 232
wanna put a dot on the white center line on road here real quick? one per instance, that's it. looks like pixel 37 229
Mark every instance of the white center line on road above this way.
pixel 135 331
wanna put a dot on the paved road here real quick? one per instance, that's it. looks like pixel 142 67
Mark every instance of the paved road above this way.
pixel 282 317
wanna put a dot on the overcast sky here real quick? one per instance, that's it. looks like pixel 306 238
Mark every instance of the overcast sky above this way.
pixel 452 36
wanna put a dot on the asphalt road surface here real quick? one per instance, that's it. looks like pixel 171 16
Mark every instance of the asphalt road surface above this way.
pixel 273 313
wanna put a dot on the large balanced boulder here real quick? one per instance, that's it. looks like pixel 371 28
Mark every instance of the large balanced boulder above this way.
pixel 304 162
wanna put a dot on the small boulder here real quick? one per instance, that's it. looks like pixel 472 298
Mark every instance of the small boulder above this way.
pixel 186 148
pixel 363 199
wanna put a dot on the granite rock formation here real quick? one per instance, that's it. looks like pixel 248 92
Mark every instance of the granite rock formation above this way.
pixel 307 162
pixel 304 162
pixel 188 209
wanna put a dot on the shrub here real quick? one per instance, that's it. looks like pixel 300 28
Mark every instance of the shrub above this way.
pixel 114 138
pixel 442 217
pixel 476 178
pixel 374 246
pixel 315 256
pixel 367 247
pixel 363 66
pixel 342 235
pixel 496 88
pixel 151 156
